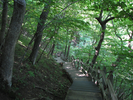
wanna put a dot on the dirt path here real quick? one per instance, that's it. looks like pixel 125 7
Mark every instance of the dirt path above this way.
pixel 82 88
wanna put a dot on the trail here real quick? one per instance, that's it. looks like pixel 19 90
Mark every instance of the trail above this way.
pixel 82 88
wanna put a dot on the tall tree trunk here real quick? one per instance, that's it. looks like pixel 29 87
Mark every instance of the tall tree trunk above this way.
pixel 98 46
pixel 69 45
pixel 38 34
pixel 103 25
pixel 4 20
pixel 53 47
pixel 44 48
pixel 10 41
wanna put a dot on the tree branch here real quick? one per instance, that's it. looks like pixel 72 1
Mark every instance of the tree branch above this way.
pixel 118 36
pixel 108 16
pixel 51 21
pixel 99 19
pixel 127 96
pixel 58 15
pixel 127 13
pixel 43 89
pixel 111 18
pixel 100 16
pixel 67 7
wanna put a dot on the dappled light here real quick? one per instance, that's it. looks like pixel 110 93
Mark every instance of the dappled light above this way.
pixel 80 83
pixel 80 75
pixel 21 43
pixel 66 49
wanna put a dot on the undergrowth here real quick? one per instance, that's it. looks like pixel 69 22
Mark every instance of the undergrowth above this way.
pixel 43 81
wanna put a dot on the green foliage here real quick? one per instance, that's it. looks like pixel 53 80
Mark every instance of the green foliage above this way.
pixel 77 23
pixel 31 74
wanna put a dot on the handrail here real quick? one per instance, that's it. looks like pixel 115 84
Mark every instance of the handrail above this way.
pixel 97 74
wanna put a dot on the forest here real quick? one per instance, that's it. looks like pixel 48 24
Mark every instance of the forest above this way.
pixel 34 32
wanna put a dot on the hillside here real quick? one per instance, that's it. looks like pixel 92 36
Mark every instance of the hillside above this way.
pixel 44 81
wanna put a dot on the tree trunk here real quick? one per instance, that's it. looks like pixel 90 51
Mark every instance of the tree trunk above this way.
pixel 69 45
pixel 4 20
pixel 103 25
pixel 51 50
pixel 98 46
pixel 53 47
pixel 38 34
pixel 10 41
pixel 44 48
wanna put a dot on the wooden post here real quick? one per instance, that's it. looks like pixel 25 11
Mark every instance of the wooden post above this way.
pixel 78 63
pixel 81 64
pixel 98 75
pixel 74 62
pixel 93 75
pixel 81 61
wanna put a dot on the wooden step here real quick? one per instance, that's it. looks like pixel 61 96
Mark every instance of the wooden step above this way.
pixel 80 95
pixel 82 87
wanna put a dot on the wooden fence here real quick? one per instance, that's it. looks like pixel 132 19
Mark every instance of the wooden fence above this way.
pixel 98 75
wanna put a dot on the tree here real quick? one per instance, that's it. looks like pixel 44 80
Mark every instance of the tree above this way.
pixel 103 26
pixel 38 34
pixel 4 20
pixel 10 41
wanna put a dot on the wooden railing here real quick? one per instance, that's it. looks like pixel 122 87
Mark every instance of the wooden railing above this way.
pixel 99 76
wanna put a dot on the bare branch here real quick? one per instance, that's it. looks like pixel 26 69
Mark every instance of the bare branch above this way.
pixel 121 95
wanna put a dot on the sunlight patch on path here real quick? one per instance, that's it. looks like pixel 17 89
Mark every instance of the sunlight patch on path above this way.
pixel 59 60
pixel 82 88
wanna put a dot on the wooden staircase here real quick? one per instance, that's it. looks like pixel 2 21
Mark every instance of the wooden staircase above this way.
pixel 82 88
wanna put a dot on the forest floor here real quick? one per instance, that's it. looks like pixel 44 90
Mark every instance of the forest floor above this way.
pixel 44 81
